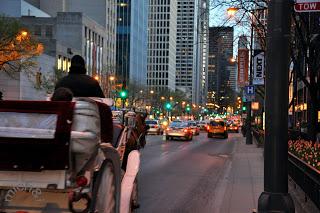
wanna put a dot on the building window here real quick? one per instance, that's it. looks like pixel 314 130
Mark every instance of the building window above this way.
pixel 49 31
pixel 65 64
pixel 37 30
pixel 59 65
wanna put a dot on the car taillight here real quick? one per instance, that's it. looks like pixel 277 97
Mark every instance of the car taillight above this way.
pixel 225 128
pixel 186 130
pixel 155 126
pixel 208 127
pixel 81 181
pixel 168 129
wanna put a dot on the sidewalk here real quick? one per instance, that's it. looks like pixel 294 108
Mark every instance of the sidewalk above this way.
pixel 243 182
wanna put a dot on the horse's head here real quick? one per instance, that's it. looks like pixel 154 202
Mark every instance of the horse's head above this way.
pixel 140 123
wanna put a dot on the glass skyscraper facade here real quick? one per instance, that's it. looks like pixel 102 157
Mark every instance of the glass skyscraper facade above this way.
pixel 132 40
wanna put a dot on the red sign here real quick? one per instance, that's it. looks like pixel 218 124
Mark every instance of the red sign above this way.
pixel 243 65
pixel 307 6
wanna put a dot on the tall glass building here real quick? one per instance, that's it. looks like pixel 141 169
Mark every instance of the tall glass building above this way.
pixel 132 41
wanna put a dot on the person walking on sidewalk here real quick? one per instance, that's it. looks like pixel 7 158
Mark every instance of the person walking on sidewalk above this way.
pixel 80 84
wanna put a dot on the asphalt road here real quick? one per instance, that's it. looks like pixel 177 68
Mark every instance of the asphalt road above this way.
pixel 182 176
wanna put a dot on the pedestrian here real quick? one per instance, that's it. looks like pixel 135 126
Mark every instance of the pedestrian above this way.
pixel 80 84
pixel 62 94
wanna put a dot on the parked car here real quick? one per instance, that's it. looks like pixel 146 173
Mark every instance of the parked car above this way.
pixel 179 130
pixel 217 128
pixel 194 127
pixel 233 127
pixel 155 127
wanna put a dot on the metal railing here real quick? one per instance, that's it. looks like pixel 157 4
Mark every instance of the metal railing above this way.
pixel 307 177
pixel 259 136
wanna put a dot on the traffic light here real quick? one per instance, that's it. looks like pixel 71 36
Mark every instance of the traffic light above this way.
pixel 188 109
pixel 123 94
pixel 158 112
pixel 168 106
pixel 244 108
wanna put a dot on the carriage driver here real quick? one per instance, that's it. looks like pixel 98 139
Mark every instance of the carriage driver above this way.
pixel 80 84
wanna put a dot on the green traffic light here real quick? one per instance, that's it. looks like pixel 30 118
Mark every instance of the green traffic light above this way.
pixel 244 108
pixel 168 106
pixel 188 109
pixel 123 94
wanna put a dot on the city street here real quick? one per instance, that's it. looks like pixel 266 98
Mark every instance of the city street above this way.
pixel 179 176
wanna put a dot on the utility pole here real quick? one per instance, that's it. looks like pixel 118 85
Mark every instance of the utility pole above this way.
pixel 275 197
pixel 248 131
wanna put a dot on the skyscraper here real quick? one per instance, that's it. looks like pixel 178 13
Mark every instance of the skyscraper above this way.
pixel 192 27
pixel 187 37
pixel 204 50
pixel 219 66
pixel 132 37
pixel 162 26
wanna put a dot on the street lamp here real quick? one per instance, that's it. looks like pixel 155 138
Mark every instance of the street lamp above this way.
pixel 231 11
pixel 162 98
pixel 24 33
pixel 151 92
pixel 112 78
pixel 171 98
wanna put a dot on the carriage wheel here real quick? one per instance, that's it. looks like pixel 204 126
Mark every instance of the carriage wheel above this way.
pixel 105 196
pixel 107 185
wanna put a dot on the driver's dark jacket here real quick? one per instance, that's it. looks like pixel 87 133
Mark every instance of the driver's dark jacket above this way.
pixel 81 85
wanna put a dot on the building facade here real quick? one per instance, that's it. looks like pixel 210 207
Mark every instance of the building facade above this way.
pixel 132 39
pixel 103 12
pixel 62 36
pixel 186 55
pixel 220 65
pixel 191 57
pixel 204 50
pixel 162 26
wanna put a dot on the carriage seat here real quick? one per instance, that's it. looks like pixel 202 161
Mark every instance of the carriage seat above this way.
pixel 117 130
pixel 85 135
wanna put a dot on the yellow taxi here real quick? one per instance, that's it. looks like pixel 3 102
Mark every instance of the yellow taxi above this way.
pixel 217 127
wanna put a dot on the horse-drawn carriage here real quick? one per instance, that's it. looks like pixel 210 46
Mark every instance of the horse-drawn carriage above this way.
pixel 61 157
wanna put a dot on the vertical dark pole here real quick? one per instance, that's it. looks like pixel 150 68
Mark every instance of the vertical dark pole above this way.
pixel 123 110
pixel 248 132
pixel 275 197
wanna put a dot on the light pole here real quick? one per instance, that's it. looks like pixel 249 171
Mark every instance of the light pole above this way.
pixel 232 11
pixel 275 197
pixel 248 131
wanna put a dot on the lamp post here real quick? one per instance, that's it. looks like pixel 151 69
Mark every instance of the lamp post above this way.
pixel 248 131
pixel 275 197
pixel 231 12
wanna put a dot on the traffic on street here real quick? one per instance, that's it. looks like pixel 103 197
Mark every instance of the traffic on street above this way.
pixel 184 176
pixel 156 106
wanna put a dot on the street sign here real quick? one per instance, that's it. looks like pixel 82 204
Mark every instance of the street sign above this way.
pixel 307 6
pixel 249 90
pixel 258 67
pixel 248 93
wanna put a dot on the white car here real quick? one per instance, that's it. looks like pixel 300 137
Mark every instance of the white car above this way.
pixel 155 127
